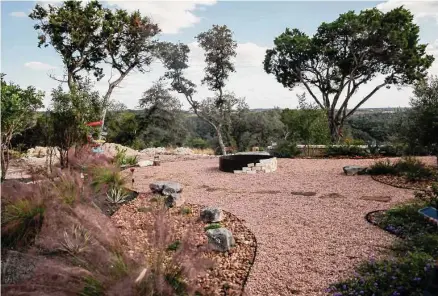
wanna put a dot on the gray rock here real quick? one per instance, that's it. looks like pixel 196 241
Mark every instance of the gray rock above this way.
pixel 211 215
pixel 351 170
pixel 220 239
pixel 165 187
pixel 174 200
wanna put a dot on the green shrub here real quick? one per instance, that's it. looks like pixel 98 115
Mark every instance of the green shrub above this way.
pixel 382 167
pixel 413 169
pixel 407 275
pixel 186 211
pixel 198 143
pixel 285 149
pixel 106 177
pixel 174 246
pixel 347 150
pixel 122 159
pixel 92 287
pixel 391 151
pixel 405 220
pixel 21 221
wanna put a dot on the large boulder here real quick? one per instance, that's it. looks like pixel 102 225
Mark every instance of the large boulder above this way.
pixel 220 239
pixel 211 215
pixel 351 170
pixel 165 187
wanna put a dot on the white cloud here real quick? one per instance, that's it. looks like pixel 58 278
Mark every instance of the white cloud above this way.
pixel 39 66
pixel 172 16
pixel 18 14
pixel 420 9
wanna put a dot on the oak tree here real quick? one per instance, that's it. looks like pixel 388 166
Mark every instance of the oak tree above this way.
pixel 346 54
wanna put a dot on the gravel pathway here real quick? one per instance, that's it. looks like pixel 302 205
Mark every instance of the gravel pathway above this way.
pixel 304 242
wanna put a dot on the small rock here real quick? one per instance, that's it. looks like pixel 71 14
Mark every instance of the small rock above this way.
pixel 377 198
pixel 351 170
pixel 332 195
pixel 165 187
pixel 220 239
pixel 211 215
pixel 304 193
pixel 174 200
pixel 145 163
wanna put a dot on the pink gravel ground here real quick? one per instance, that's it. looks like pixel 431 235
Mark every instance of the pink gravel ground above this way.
pixel 304 243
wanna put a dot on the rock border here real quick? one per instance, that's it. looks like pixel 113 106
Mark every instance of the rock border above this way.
pixel 245 280
pixel 368 218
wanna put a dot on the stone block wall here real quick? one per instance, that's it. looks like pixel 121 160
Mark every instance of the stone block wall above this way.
pixel 263 166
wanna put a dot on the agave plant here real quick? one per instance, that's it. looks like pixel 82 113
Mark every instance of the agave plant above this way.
pixel 76 242
pixel 117 196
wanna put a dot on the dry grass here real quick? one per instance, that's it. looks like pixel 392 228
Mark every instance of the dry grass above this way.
pixel 207 151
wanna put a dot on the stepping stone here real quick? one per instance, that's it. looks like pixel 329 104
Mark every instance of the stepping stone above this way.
pixel 304 193
pixel 332 195
pixel 377 198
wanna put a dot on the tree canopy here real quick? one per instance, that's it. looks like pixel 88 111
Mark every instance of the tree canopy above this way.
pixel 347 53
pixel 18 110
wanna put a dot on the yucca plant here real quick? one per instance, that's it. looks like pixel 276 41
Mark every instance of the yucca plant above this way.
pixel 117 196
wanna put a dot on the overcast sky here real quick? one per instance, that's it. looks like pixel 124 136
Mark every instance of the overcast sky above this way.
pixel 255 25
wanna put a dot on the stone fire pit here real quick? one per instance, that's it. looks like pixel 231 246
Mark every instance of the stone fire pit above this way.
pixel 248 163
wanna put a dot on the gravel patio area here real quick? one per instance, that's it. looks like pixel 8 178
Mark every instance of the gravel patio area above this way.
pixel 304 242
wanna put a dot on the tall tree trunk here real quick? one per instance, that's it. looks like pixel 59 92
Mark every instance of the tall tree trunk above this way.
pixel 4 162
pixel 334 127
pixel 220 139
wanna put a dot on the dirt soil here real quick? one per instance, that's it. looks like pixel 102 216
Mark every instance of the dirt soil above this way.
pixel 304 242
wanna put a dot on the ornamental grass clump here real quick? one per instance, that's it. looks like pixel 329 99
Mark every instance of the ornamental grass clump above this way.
pixel 22 212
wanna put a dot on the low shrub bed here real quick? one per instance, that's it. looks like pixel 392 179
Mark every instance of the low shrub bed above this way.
pixel 411 268
pixel 407 169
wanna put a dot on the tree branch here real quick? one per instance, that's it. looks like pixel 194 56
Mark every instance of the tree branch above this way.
pixel 365 99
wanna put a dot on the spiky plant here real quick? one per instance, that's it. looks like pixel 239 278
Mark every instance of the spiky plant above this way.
pixel 77 241
pixel 116 196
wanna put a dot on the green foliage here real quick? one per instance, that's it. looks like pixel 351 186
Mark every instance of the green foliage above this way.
pixel 119 266
pixel 306 125
pixel 18 110
pixel 406 275
pixel 71 111
pixel 422 119
pixel 198 143
pixel 116 195
pixel 406 221
pixel 122 159
pixel 92 287
pixel 409 272
pixel 346 53
pixel 220 49
pixel 410 167
pixel 286 149
pixel 186 211
pixel 346 150
pixel 174 246
pixel 212 226
pixel 382 167
pixel 21 221
pixel 106 177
